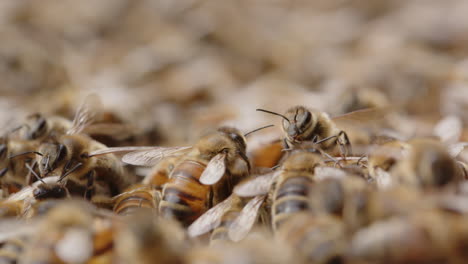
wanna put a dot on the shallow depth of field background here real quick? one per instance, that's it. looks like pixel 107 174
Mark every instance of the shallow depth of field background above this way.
pixel 175 68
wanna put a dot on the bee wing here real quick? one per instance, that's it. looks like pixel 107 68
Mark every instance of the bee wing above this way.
pixel 117 150
pixel 365 118
pixel 457 148
pixel 256 186
pixel 449 129
pixel 244 222
pixel 210 219
pixel 86 114
pixel 116 131
pixel 151 157
pixel 214 170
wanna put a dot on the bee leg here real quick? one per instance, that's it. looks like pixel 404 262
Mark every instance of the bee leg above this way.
pixel 90 185
pixel 360 159
pixel 344 144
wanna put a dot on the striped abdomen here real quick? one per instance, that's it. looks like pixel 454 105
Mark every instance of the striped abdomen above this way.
pixel 138 196
pixel 291 197
pixel 184 197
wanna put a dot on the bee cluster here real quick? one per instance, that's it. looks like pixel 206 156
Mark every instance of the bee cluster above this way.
pixel 191 132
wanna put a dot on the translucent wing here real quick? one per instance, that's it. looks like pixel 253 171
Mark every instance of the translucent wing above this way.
pixel 118 150
pixel 86 114
pixel 365 118
pixel 210 219
pixel 457 148
pixel 214 170
pixel 449 129
pixel 152 156
pixel 116 131
pixel 257 186
pixel 244 222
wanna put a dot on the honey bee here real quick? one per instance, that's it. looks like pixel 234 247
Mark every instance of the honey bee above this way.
pixel 142 239
pixel 197 183
pixel 427 164
pixel 301 124
pixel 80 160
pixel 229 219
pixel 289 187
pixel 135 197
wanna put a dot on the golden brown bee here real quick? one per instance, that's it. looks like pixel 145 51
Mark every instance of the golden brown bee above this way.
pixel 301 124
pixel 159 174
pixel 427 164
pixel 318 238
pixel 197 183
pixel 142 239
pixel 84 173
pixel 86 166
pixel 289 187
pixel 136 197
pixel 293 186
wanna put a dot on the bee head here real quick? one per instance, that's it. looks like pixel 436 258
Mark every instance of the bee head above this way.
pixel 50 191
pixel 298 120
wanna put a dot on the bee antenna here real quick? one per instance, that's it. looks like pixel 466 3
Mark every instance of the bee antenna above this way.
pixel 16 129
pixel 273 113
pixel 25 153
pixel 255 130
pixel 70 171
pixel 34 173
